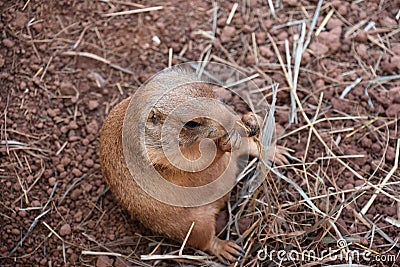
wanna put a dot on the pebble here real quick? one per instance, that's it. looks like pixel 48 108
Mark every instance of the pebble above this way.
pixel 361 37
pixel 78 216
pixel 261 37
pixel 76 172
pixel 51 112
pixel 65 230
pixel 35 203
pixel 92 127
pixel 73 125
pixel 22 213
pixel 20 20
pixel 8 43
pixel 390 154
pixel 15 231
pixel 331 38
pixel 227 33
pixel 89 163
pixel 38 26
pixel 291 3
pixel 265 51
pixel 65 161
pixel 22 85
pixel 66 88
pixel 333 23
pixel 104 261
pixel 75 194
pixel 393 110
pixel 319 49
pixel 93 104
pixel 52 181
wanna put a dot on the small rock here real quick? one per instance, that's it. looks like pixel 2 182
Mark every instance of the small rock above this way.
pixel 15 231
pixel 52 181
pixel 78 216
pixel 291 3
pixel 265 51
pixel 282 36
pixel 361 37
pixel 20 20
pixel 65 230
pixel 8 43
pixel 244 224
pixel 92 127
pixel 319 49
pixel 333 23
pixel 66 88
pixel 75 194
pixel 76 172
pixel 22 85
pixel 65 161
pixel 395 95
pixel 348 186
pixel 89 163
pixel 331 38
pixel 227 33
pixel 393 110
pixel 93 104
pixel 38 26
pixel 388 22
pixel 60 167
pixel 252 3
pixel 35 203
pixel 390 154
pixel 88 188
pixel 51 112
pixel 85 142
pixel 261 37
pixel 362 51
pixel 22 213
pixel 375 148
pixel 247 29
pixel 104 261
pixel 73 125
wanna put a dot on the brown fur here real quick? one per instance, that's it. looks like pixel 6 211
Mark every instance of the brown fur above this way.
pixel 169 220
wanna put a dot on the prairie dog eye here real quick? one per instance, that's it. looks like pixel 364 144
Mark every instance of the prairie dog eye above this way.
pixel 192 124
pixel 154 117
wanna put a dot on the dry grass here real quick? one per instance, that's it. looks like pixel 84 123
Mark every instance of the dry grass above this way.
pixel 292 207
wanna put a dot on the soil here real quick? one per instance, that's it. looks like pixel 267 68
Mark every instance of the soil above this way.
pixel 54 204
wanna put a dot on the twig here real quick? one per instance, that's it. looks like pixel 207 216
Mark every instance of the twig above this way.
pixel 35 221
pixel 313 24
pixel 324 22
pixel 349 87
pixel 101 253
pixel 186 239
pixel 98 58
pixel 72 186
pixel 381 185
pixel 233 10
pixel 135 11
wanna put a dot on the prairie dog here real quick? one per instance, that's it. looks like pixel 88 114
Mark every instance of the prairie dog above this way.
pixel 187 133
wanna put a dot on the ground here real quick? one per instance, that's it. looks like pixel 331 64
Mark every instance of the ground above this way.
pixel 65 64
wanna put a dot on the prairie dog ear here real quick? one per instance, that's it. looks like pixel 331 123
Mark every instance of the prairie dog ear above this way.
pixel 154 116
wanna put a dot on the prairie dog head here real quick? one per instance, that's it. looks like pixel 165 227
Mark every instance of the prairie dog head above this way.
pixel 183 117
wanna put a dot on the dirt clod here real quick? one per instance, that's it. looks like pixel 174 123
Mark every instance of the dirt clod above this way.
pixel 64 66
pixel 65 230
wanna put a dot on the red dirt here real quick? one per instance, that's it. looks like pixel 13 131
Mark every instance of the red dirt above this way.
pixel 53 106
